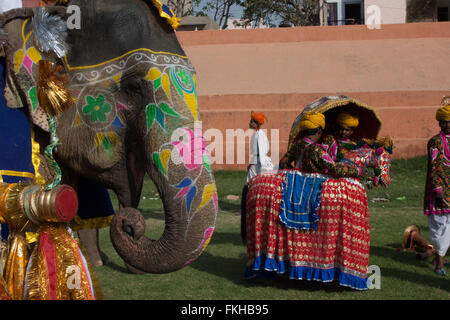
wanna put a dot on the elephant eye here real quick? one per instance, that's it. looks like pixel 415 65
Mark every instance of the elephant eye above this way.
pixel 135 87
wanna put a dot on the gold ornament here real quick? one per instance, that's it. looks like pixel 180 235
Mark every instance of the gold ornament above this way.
pixel 53 94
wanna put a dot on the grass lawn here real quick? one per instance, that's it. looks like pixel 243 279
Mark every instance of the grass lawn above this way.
pixel 218 272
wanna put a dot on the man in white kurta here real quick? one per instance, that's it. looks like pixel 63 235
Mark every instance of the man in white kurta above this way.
pixel 260 162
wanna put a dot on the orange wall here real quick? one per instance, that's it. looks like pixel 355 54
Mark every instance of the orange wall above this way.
pixel 401 70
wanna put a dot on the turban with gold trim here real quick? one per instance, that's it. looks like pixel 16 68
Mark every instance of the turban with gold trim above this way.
pixel 312 120
pixel 443 114
pixel 259 117
pixel 346 120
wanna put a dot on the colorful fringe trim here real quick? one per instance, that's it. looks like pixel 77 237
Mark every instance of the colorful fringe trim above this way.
pixel 264 267
pixel 57 269
pixel 166 12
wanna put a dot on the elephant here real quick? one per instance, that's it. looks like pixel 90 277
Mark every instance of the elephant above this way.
pixel 337 248
pixel 132 111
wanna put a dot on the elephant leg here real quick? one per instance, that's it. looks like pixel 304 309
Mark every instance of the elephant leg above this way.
pixel 90 243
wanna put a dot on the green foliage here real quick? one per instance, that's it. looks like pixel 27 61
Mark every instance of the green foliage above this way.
pixel 267 12
pixel 218 272
pixel 219 10
pixel 293 12
pixel 417 9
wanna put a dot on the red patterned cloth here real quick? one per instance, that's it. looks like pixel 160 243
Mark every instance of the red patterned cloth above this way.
pixel 337 250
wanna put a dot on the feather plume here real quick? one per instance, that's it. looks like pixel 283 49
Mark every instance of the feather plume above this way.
pixel 50 33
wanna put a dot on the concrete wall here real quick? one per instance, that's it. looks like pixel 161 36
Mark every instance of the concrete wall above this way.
pixel 390 11
pixel 401 70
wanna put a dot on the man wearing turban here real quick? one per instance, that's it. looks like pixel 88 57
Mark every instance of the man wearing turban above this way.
pixel 312 157
pixel 260 162
pixel 437 192
pixel 339 141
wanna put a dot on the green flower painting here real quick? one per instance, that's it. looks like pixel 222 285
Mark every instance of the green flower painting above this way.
pixel 184 77
pixel 97 109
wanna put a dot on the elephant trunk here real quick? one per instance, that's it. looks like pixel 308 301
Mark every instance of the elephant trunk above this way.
pixel 188 192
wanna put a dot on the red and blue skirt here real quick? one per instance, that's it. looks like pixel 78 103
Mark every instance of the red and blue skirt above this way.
pixel 337 251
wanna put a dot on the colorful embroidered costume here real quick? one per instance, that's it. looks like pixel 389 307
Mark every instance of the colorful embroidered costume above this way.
pixel 437 194
pixel 314 158
pixel 438 175
pixel 309 121
pixel 334 146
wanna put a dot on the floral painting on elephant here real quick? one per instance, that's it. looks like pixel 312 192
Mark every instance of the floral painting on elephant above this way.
pixel 338 250
pixel 130 110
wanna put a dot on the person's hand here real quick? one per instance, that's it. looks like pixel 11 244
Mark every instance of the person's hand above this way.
pixel 440 197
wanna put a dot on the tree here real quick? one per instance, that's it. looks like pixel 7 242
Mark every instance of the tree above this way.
pixel 219 10
pixel 417 10
pixel 181 8
pixel 292 12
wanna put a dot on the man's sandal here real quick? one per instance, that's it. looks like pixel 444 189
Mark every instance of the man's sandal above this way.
pixel 440 271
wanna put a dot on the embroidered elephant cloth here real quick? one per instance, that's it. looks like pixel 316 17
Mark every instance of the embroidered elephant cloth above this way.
pixel 337 251
pixel 301 199
pixel 15 141
pixel 438 173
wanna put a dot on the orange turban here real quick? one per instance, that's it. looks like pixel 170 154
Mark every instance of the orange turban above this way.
pixel 259 117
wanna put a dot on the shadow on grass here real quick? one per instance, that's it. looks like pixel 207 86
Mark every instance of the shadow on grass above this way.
pixel 115 267
pixel 232 269
pixel 432 280
pixel 227 238
pixel 230 206
pixel 154 214
pixel 409 259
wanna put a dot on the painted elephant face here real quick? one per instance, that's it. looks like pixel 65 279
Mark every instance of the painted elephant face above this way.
pixel 135 112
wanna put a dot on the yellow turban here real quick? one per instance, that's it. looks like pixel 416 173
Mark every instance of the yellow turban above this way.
pixel 346 120
pixel 312 120
pixel 443 114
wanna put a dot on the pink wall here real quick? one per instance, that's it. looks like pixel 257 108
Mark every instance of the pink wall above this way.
pixel 401 70
pixel 30 3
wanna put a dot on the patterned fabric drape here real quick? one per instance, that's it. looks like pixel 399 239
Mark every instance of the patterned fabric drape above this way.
pixel 337 251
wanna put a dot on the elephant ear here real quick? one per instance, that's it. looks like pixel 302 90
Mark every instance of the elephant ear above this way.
pixel 12 94
pixel 3 37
